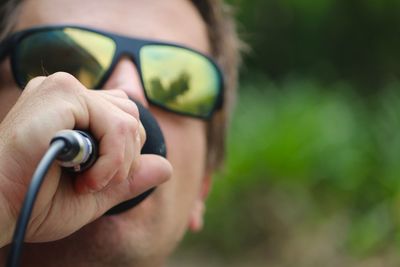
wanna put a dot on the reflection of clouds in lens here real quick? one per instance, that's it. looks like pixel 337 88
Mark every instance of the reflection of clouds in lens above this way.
pixel 71 50
pixel 95 50
pixel 100 47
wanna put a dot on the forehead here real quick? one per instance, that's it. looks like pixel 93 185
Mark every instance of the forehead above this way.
pixel 168 20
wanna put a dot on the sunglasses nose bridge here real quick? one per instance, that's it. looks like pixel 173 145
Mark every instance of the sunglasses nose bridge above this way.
pixel 125 75
pixel 128 47
pixel 127 55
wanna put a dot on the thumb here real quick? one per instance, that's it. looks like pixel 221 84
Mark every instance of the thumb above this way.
pixel 151 171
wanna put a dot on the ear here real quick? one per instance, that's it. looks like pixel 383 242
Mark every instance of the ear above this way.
pixel 197 213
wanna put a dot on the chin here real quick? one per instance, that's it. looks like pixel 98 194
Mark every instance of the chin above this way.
pixel 132 238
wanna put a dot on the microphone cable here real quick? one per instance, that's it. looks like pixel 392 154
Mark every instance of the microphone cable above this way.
pixel 75 150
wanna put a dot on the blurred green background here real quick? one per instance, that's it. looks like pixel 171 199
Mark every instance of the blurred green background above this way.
pixel 312 176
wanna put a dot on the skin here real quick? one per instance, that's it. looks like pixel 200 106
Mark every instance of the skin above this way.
pixel 147 234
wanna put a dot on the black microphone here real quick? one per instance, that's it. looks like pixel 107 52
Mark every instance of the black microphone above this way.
pixel 77 150
pixel 154 144
pixel 81 152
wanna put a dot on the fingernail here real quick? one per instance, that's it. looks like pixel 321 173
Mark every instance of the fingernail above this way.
pixel 142 134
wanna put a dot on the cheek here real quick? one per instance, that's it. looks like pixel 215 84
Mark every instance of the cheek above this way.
pixel 8 97
pixel 186 144
pixel 186 149
pixel 9 91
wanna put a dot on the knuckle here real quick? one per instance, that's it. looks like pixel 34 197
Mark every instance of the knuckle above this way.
pixel 120 93
pixel 118 159
pixel 34 82
pixel 142 135
pixel 133 110
pixel 132 124
pixel 132 107
pixel 64 80
pixel 127 125
pixel 61 76
pixel 120 127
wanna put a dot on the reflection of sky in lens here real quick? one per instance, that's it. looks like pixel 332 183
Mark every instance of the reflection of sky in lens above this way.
pixel 167 63
pixel 100 47
pixel 84 54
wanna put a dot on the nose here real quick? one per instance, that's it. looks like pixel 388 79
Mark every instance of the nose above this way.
pixel 125 76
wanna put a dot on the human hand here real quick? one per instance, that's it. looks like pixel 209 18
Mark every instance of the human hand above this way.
pixel 66 202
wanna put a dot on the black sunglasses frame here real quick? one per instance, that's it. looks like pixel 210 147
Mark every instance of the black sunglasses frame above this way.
pixel 124 46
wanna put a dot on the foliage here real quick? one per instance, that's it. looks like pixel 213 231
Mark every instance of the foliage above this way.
pixel 333 40
pixel 312 176
pixel 176 88
pixel 300 155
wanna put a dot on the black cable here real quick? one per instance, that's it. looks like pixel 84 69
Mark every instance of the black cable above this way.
pixel 14 256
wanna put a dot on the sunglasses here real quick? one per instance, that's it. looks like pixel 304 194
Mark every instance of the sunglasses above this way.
pixel 174 77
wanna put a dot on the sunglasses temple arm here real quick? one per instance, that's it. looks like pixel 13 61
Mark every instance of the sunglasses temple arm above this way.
pixel 4 48
pixel 7 44
pixel 2 52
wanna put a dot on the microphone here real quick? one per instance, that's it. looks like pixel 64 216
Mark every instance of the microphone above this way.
pixel 154 144
pixel 77 150
pixel 81 152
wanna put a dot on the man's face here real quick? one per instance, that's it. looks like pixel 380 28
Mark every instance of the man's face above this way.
pixel 147 233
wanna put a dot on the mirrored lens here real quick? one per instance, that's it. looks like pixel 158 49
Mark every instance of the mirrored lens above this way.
pixel 84 54
pixel 180 79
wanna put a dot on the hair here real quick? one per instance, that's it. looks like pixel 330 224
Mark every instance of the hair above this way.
pixel 8 16
pixel 225 49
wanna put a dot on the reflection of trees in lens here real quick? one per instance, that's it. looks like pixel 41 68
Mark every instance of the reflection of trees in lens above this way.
pixel 170 93
pixel 204 107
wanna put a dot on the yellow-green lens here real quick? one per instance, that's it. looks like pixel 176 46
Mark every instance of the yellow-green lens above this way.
pixel 179 79
pixel 84 54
